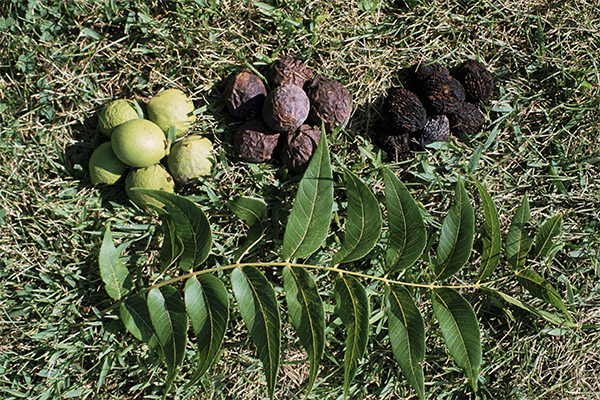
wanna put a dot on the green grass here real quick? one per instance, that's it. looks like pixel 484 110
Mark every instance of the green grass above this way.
pixel 61 61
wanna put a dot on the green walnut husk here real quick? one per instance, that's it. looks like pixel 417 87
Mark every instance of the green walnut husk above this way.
pixel 190 158
pixel 153 177
pixel 105 167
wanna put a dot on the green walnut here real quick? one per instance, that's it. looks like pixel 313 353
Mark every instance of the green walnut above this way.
pixel 116 113
pixel 169 108
pixel 153 177
pixel 190 158
pixel 105 167
pixel 139 143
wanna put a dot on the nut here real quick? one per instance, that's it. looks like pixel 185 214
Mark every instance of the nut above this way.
pixel 288 70
pixel 442 94
pixel 245 94
pixel 330 103
pixel 404 111
pixel 154 177
pixel 139 143
pixel 396 145
pixel 436 129
pixel 286 108
pixel 190 158
pixel 468 119
pixel 255 142
pixel 300 147
pixel 477 81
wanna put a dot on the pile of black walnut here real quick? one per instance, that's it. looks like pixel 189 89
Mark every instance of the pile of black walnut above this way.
pixel 433 103
pixel 284 124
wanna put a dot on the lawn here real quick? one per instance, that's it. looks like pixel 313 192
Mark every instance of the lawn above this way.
pixel 60 62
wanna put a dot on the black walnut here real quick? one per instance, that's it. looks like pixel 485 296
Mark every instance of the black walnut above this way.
pixel 255 142
pixel 396 146
pixel 289 70
pixel 436 129
pixel 404 111
pixel 286 108
pixel 300 147
pixel 330 103
pixel 467 119
pixel 442 94
pixel 245 94
pixel 477 81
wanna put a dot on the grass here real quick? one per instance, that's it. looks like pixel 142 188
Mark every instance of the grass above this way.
pixel 61 61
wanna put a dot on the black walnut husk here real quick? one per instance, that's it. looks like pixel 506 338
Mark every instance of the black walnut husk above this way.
pixel 436 129
pixel 300 147
pixel 289 70
pixel 330 103
pixel 477 81
pixel 404 111
pixel 396 146
pixel 245 94
pixel 468 119
pixel 255 142
pixel 442 94
pixel 286 108
pixel 425 70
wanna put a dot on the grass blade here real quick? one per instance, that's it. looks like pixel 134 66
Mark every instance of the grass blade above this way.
pixel 518 243
pixel 456 236
pixel 363 225
pixel 260 312
pixel 408 236
pixel 116 277
pixel 308 223
pixel 207 305
pixel 460 330
pixel 190 224
pixel 490 255
pixel 353 309
pixel 407 335
pixel 307 315
pixel 543 239
pixel 169 319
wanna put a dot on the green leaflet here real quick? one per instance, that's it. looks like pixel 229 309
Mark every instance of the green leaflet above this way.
pixel 307 315
pixel 543 239
pixel 518 243
pixel 169 319
pixel 190 225
pixel 460 330
pixel 407 234
pixel 490 236
pixel 253 212
pixel 136 318
pixel 260 312
pixel 207 305
pixel 552 318
pixel 540 288
pixel 407 335
pixel 456 236
pixel 114 274
pixel 308 223
pixel 172 247
pixel 353 309
pixel 363 224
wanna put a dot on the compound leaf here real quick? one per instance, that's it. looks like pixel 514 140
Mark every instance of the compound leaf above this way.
pixel 207 305
pixel 115 275
pixel 543 239
pixel 456 236
pixel 363 225
pixel 407 234
pixel 353 309
pixel 518 243
pixel 308 223
pixel 169 319
pixel 460 330
pixel 260 312
pixel 490 255
pixel 407 335
pixel 307 315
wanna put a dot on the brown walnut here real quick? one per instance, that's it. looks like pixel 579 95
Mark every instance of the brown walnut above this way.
pixel 330 103
pixel 255 142
pixel 300 147
pixel 288 70
pixel 245 94
pixel 286 108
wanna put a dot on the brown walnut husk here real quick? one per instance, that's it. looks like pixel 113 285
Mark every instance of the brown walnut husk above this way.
pixel 477 81
pixel 289 70
pixel 255 142
pixel 404 111
pixel 330 103
pixel 436 129
pixel 286 108
pixel 245 94
pixel 442 94
pixel 468 119
pixel 300 147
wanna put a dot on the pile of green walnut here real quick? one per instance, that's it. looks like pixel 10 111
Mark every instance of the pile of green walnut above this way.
pixel 138 149
pixel 433 103
pixel 284 123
